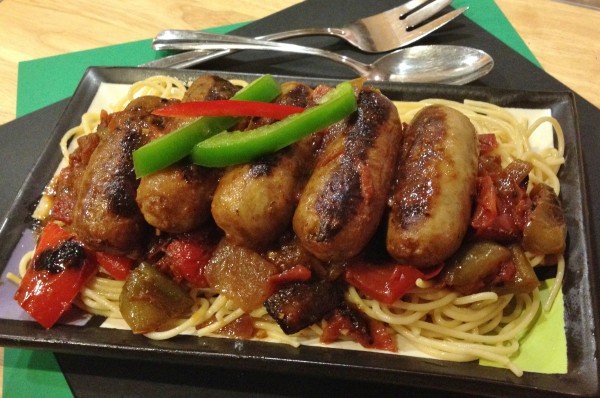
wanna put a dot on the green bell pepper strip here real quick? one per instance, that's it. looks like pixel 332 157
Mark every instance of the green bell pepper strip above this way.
pixel 172 147
pixel 229 148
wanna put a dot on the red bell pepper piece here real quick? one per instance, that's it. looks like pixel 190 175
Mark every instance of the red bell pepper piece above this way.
pixel 339 326
pixel 229 108
pixel 118 267
pixel 298 273
pixel 385 284
pixel 487 143
pixel 60 268
pixel 185 258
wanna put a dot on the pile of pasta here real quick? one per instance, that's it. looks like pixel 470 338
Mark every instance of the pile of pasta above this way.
pixel 435 321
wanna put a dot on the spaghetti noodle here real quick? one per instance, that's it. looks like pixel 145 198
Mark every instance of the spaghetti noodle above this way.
pixel 438 322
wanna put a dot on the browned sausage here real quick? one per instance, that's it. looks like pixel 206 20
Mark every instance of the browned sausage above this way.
pixel 344 199
pixel 210 88
pixel 177 199
pixel 431 202
pixel 254 202
pixel 105 215
pixel 64 187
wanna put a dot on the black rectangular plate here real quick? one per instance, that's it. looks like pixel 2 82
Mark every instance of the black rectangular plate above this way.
pixel 580 285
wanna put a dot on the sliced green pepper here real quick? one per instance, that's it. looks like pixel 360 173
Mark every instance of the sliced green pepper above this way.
pixel 176 145
pixel 228 148
pixel 150 298
pixel 473 263
pixel 525 280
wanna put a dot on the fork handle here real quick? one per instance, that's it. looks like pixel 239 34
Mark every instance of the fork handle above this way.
pixel 194 57
pixel 224 42
pixel 303 32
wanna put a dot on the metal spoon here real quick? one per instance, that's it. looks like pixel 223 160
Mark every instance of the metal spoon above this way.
pixel 443 64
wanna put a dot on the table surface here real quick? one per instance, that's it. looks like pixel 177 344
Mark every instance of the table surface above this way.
pixel 561 36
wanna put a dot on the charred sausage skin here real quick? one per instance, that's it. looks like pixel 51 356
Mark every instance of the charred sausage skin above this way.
pixel 178 198
pixel 105 215
pixel 254 202
pixel 344 199
pixel 430 205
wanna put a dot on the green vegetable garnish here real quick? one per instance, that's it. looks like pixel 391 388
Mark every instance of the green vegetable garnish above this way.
pixel 176 145
pixel 229 148
pixel 150 298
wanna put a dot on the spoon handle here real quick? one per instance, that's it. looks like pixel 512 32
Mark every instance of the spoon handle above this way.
pixel 189 40
pixel 188 59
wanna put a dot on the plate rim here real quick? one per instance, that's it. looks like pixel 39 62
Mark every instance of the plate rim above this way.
pixel 14 333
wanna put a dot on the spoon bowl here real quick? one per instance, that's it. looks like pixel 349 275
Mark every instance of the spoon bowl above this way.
pixel 443 64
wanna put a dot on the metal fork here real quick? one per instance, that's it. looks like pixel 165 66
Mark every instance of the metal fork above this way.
pixel 382 32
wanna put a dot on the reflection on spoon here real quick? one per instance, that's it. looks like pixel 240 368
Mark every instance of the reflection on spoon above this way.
pixel 444 64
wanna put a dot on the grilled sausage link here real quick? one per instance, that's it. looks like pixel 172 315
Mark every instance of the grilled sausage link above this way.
pixel 431 202
pixel 344 199
pixel 177 199
pixel 105 215
pixel 254 202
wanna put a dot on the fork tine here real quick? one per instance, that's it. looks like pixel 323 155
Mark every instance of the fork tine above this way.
pixel 415 34
pixel 426 12
pixel 404 9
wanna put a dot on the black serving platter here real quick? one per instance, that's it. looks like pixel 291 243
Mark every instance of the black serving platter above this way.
pixel 580 286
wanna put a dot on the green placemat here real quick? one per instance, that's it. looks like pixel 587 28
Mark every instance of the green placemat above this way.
pixel 44 81
pixel 28 373
pixel 486 14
